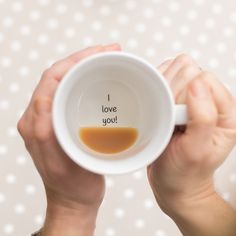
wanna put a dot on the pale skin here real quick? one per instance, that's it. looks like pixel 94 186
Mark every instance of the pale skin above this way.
pixel 73 194
pixel 181 179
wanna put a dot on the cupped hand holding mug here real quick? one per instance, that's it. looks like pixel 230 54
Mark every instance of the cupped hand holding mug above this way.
pixel 182 177
pixel 73 194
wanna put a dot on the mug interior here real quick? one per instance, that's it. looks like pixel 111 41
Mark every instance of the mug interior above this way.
pixel 143 102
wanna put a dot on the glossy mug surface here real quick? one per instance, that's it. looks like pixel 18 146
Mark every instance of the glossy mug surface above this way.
pixel 114 113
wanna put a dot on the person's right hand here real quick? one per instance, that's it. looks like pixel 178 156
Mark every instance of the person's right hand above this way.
pixel 182 177
pixel 73 193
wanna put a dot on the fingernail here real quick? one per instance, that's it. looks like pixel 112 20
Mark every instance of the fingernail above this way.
pixel 199 89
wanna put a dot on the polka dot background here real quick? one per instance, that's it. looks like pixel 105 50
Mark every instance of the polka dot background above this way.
pixel 34 34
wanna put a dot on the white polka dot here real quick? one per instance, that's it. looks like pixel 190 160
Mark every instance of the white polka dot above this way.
pixel 232 178
pixel 119 212
pixel 10 178
pixel 43 2
pixel 21 160
pixel 199 2
pixel 52 23
pixel 110 232
pixel 9 228
pixel 15 46
pixel 226 196
pixel 140 28
pixel 25 30
pixel 217 8
pixel 122 19
pixel 109 182
pixel 138 174
pixel 148 13
pixel 105 10
pixel 1 37
pixel 221 47
pixel 195 54
pixel 24 71
pixel 128 193
pixel 13 87
pixel 79 17
pixel 96 25
pixel 114 34
pixel 160 232
pixel 87 3
pixel 43 39
pixel 2 198
pixel 19 208
pixel 150 52
pixel 4 104
pixel 202 38
pixel 148 203
pixel 61 48
pixel 132 43
pixel 39 220
pixel 166 21
pixel 174 6
pixel 33 55
pixel 176 46
pixel 61 8
pixel 184 29
pixel 35 15
pixel 232 72
pixel 210 23
pixel 7 21
pixel 12 131
pixel 139 223
pixel 6 62
pixel 70 32
pixel 213 63
pixel 87 40
pixel 17 6
pixel 192 15
pixel 159 36
pixel 130 4
pixel 228 32
pixel 30 189
pixel 233 17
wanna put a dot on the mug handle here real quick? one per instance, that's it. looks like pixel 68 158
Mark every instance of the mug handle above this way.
pixel 181 116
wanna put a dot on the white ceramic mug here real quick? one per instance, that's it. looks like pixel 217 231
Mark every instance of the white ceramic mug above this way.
pixel 115 89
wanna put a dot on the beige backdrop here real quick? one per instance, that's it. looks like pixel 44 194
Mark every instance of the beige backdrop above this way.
pixel 35 33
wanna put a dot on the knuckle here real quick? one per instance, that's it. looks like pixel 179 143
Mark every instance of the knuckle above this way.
pixel 47 73
pixel 186 71
pixel 184 59
pixel 21 126
pixel 42 133
pixel 208 119
pixel 206 76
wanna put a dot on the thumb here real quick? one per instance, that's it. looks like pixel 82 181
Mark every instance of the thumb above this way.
pixel 202 113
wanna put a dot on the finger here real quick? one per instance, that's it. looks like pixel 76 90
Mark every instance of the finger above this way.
pixel 49 83
pixel 178 63
pixel 179 83
pixel 164 65
pixel 202 113
pixel 223 98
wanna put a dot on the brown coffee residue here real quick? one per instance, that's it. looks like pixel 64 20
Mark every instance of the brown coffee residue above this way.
pixel 108 140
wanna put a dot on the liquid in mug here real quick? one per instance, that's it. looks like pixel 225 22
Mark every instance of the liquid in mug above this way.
pixel 108 140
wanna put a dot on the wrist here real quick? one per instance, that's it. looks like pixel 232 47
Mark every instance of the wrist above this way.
pixel 71 220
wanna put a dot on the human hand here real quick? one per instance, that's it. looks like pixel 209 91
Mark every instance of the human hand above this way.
pixel 73 193
pixel 182 177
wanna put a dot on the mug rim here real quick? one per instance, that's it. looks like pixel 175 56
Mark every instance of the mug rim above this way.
pixel 56 123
